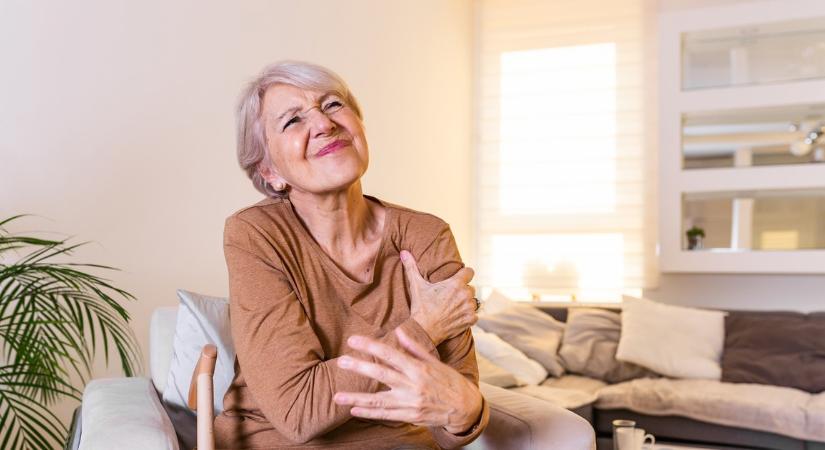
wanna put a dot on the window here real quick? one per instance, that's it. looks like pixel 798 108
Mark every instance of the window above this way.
pixel 565 195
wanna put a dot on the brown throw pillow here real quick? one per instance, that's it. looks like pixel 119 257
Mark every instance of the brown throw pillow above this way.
pixel 589 344
pixel 778 348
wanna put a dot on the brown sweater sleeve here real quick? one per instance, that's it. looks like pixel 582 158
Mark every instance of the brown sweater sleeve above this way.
pixel 280 355
pixel 441 260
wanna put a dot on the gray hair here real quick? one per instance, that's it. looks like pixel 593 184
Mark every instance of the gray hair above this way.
pixel 251 139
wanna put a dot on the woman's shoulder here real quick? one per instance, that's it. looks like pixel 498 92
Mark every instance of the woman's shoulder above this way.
pixel 415 224
pixel 412 216
pixel 257 218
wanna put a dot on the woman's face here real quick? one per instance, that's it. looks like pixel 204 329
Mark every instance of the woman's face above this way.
pixel 315 141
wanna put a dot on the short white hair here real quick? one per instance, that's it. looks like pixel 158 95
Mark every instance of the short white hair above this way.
pixel 251 139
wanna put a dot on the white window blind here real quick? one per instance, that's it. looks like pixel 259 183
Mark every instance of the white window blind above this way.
pixel 565 133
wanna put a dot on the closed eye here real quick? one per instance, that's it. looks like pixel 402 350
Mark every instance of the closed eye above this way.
pixel 294 119
pixel 333 105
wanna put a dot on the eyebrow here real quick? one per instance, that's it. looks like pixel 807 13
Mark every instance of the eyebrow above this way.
pixel 292 109
pixel 298 108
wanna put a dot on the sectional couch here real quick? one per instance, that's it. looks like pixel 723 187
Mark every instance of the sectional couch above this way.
pixel 709 413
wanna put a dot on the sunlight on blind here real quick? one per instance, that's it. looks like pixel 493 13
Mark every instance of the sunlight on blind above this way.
pixel 564 123
pixel 558 130
pixel 592 262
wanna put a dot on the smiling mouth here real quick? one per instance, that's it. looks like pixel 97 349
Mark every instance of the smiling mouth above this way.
pixel 334 146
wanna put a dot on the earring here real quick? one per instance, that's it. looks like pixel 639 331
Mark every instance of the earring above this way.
pixel 280 186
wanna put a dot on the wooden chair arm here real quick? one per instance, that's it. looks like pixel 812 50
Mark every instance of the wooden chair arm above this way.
pixel 201 396
pixel 206 365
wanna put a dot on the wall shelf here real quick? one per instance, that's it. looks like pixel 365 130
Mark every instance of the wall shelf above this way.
pixel 738 37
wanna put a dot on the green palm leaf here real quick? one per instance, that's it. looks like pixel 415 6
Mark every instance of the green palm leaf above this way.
pixel 52 318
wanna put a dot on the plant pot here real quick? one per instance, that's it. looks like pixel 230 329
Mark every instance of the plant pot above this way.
pixel 694 242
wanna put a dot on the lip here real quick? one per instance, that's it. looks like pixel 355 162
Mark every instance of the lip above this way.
pixel 333 146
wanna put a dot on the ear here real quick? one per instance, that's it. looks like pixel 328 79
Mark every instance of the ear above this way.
pixel 269 173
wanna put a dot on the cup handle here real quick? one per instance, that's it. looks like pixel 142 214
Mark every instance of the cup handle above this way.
pixel 652 440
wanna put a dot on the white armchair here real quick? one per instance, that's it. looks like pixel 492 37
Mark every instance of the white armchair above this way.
pixel 127 413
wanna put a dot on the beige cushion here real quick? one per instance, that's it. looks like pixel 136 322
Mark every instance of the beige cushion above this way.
pixel 815 412
pixel 490 373
pixel 758 407
pixel 675 341
pixel 576 383
pixel 563 398
pixel 588 346
pixel 533 332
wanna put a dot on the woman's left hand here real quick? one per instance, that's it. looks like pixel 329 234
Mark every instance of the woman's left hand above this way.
pixel 423 390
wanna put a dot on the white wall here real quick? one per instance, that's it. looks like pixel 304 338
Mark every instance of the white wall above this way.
pixel 116 120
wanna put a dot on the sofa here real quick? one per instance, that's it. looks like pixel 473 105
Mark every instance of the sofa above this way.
pixel 711 413
pixel 129 413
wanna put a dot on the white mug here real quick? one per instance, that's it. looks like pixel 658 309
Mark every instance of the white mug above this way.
pixel 633 438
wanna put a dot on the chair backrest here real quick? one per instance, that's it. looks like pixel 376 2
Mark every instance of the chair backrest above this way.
pixel 161 336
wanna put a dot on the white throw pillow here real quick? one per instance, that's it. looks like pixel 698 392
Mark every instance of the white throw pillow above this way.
pixel 508 357
pixel 675 341
pixel 201 320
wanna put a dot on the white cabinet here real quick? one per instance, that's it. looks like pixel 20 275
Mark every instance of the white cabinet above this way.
pixel 742 137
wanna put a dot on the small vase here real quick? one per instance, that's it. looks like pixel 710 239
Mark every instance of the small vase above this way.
pixel 694 242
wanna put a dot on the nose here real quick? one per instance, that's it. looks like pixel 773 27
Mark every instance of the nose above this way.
pixel 320 122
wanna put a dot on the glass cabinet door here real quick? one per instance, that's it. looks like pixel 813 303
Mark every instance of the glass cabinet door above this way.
pixel 759 54
pixel 754 220
pixel 793 134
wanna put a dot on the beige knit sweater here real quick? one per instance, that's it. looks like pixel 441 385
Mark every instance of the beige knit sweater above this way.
pixel 292 310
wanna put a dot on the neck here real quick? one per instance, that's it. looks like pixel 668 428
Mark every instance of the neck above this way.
pixel 338 221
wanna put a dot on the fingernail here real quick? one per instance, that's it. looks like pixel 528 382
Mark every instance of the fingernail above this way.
pixel 404 255
pixel 354 341
pixel 345 361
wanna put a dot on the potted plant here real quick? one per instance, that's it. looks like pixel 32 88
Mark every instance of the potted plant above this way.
pixel 54 318
pixel 695 236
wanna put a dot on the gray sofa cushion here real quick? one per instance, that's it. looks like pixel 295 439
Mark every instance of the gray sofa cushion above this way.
pixel 589 344
pixel 533 332
pixel 495 375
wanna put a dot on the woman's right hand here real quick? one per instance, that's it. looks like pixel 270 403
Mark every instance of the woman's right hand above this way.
pixel 444 309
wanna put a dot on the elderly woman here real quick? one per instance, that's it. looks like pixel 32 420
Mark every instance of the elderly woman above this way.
pixel 350 314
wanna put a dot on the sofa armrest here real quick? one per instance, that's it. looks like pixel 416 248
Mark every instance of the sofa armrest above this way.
pixel 124 414
pixel 523 422
pixel 73 440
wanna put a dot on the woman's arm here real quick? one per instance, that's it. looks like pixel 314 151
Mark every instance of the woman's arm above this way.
pixel 280 355
pixel 423 381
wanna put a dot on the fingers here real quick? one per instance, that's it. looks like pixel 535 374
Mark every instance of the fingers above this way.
pixel 383 352
pixel 375 371
pixel 411 267
pixel 383 399
pixel 413 347
pixel 408 415
pixel 386 400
